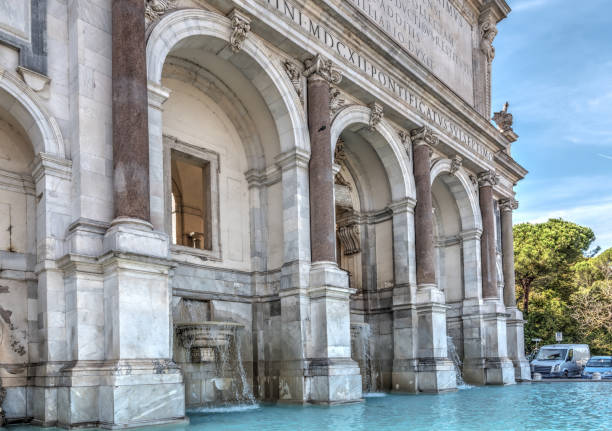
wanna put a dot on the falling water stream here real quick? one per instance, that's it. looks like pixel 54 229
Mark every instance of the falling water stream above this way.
pixel 454 356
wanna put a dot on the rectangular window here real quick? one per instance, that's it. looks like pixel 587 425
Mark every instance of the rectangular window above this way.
pixel 192 198
pixel 191 218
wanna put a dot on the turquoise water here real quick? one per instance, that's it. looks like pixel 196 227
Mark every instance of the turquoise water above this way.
pixel 537 406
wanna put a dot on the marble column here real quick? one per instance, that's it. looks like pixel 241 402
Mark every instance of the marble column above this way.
pixel 333 376
pixel 498 368
pixel 486 181
pixel 435 372
pixel 130 108
pixel 515 324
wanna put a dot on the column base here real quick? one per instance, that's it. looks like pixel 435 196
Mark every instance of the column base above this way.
pixel 499 371
pixel 436 375
pixel 121 394
pixel 404 377
pixel 334 381
pixel 516 344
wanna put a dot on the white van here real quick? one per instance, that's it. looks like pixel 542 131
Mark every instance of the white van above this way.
pixel 561 360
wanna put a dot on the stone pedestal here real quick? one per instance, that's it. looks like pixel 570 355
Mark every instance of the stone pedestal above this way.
pixel 333 376
pixel 499 370
pixel 516 344
pixel 436 373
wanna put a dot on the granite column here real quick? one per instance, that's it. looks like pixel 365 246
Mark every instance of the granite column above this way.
pixel 486 181
pixel 130 109
pixel 515 324
pixel 498 368
pixel 435 372
pixel 334 376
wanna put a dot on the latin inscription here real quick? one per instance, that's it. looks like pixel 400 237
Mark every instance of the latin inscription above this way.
pixel 337 46
pixel 433 31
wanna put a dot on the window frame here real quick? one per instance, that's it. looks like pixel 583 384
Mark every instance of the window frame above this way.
pixel 200 156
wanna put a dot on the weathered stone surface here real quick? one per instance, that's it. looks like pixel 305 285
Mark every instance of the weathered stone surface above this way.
pixel 92 107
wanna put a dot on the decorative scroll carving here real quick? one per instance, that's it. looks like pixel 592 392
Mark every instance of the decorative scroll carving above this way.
pixel 508 204
pixel 504 119
pixel 456 164
pixel 295 77
pixel 325 69
pixel 376 115
pixel 423 135
pixel 154 9
pixel 339 153
pixel 241 26
pixel 487 178
pixel 405 140
pixel 335 101
pixel 349 239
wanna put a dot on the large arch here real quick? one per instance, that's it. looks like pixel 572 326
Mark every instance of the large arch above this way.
pixel 387 145
pixel 178 29
pixel 23 104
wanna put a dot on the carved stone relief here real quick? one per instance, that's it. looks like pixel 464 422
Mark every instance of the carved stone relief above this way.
pixel 503 119
pixel 154 9
pixel 241 26
pixel 456 164
pixel 335 101
pixel 376 115
pixel 295 76
pixel 349 239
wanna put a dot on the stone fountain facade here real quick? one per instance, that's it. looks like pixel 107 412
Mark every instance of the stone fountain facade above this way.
pixel 296 171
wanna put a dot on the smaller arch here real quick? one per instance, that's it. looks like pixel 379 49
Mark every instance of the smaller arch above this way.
pixel 460 185
pixel 21 102
pixel 389 149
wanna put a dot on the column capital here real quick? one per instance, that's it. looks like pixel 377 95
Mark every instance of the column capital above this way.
pixel 508 204
pixel 318 67
pixel 423 136
pixel 487 178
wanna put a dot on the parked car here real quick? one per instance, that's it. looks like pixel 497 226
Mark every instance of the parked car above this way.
pixel 598 364
pixel 561 360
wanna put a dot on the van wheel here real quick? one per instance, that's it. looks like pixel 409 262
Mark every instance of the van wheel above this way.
pixel 566 374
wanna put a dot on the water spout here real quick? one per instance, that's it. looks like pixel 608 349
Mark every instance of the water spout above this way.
pixel 454 356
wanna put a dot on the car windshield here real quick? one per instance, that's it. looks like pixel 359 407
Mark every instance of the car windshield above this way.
pixel 599 362
pixel 551 354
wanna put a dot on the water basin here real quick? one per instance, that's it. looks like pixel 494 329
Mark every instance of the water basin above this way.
pixel 536 406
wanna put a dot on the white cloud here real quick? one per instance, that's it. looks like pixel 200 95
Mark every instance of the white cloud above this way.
pixel 605 156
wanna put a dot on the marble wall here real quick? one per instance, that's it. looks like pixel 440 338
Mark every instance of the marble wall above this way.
pixel 88 303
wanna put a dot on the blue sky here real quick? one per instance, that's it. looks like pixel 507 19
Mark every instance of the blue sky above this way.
pixel 554 65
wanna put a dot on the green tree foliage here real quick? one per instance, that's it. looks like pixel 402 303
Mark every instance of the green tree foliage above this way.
pixel 543 257
pixel 591 303
pixel 561 286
